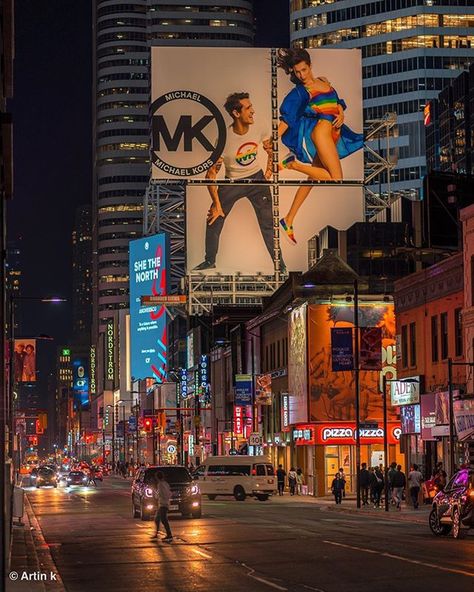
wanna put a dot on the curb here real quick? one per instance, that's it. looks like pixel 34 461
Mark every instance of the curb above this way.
pixel 396 517
pixel 38 558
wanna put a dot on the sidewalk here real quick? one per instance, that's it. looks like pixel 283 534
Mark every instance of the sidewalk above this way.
pixel 349 505
pixel 31 557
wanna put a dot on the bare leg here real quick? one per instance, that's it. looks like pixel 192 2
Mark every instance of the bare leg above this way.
pixel 298 201
pixel 315 173
pixel 326 149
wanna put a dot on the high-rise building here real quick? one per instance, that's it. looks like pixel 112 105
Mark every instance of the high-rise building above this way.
pixel 410 50
pixel 82 274
pixel 13 280
pixel 124 32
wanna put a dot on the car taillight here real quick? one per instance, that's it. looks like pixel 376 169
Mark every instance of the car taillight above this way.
pixel 254 472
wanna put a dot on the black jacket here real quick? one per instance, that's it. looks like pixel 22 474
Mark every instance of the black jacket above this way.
pixel 364 478
pixel 399 479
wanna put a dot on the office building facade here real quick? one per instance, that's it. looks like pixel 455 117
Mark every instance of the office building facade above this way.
pixel 410 48
pixel 123 34
pixel 82 275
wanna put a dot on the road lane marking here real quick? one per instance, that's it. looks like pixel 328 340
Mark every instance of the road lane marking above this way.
pixel 205 555
pixel 311 588
pixel 267 582
pixel 400 558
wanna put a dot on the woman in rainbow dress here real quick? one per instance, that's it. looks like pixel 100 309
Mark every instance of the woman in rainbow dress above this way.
pixel 312 128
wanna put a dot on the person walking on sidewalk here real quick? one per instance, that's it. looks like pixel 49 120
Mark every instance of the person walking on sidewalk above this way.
pixel 391 474
pixel 280 474
pixel 399 482
pixel 299 481
pixel 337 487
pixel 364 481
pixel 415 479
pixel 343 477
pixel 377 486
pixel 292 480
pixel 163 493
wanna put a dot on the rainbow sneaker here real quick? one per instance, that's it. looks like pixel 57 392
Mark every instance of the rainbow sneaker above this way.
pixel 288 159
pixel 288 231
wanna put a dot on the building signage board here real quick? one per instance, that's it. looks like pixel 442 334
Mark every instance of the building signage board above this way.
pixel 204 388
pixel 238 420
pixel 428 416
pixel 298 364
pixel 263 389
pixel 148 324
pixel 464 418
pixel 410 419
pixel 110 353
pixel 342 354
pixel 285 411
pixel 405 392
pixel 92 370
pixel 183 383
pixel 340 433
pixel 243 389
pixel 80 384
pixel 24 360
pixel 370 355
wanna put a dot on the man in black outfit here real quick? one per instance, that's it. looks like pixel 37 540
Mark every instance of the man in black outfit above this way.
pixel 280 473
pixel 364 484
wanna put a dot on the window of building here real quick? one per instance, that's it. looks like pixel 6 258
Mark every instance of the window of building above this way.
pixel 434 339
pixel 444 335
pixel 405 346
pixel 412 344
pixel 458 344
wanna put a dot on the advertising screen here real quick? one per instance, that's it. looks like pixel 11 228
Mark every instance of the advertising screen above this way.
pixel 297 366
pixel 224 127
pixel 24 360
pixel 410 419
pixel 332 394
pixel 148 276
pixel 80 384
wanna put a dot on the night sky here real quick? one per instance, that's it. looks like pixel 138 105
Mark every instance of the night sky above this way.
pixel 52 143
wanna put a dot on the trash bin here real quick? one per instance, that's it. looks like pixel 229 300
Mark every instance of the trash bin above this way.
pixel 18 503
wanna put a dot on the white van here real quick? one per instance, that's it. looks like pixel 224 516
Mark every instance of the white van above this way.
pixel 237 475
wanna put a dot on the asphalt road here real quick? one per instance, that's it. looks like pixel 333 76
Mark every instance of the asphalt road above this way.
pixel 242 546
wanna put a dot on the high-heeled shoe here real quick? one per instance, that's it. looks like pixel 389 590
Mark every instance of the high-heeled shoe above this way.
pixel 288 231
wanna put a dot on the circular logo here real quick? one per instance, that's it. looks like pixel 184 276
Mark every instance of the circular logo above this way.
pixel 246 154
pixel 183 131
pixel 147 246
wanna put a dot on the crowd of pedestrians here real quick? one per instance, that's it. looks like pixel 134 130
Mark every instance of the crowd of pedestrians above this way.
pixel 296 482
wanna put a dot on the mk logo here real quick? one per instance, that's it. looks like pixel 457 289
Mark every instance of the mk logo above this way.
pixel 189 135
pixel 185 130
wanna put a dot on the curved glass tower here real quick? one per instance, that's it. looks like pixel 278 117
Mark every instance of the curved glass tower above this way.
pixel 124 30
pixel 410 50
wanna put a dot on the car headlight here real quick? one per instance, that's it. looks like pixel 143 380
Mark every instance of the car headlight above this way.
pixel 194 489
pixel 69 480
pixel 148 492
pixel 84 479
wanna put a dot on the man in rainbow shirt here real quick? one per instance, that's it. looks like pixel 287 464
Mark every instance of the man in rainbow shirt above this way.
pixel 240 159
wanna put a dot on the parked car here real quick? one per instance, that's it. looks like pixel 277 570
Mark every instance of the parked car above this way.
pixel 453 508
pixel 46 476
pixel 77 478
pixel 33 476
pixel 239 476
pixel 185 494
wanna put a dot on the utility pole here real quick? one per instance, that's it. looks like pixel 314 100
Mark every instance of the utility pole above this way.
pixel 357 387
pixel 385 441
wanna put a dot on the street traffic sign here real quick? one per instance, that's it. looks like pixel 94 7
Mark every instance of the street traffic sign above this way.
pixel 255 439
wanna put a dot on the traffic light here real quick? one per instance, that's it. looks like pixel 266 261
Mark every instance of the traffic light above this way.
pixel 39 427
pixel 148 424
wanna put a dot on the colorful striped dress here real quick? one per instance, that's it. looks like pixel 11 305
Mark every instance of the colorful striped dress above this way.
pixel 302 109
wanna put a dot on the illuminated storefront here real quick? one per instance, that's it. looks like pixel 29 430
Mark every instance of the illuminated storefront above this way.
pixel 333 446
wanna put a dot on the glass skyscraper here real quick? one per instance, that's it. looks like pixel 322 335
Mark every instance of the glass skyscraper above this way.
pixel 124 30
pixel 410 50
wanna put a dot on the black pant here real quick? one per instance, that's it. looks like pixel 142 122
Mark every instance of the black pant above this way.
pixel 281 487
pixel 162 516
pixel 261 199
pixel 364 490
pixel 338 495
pixel 377 494
pixel 414 492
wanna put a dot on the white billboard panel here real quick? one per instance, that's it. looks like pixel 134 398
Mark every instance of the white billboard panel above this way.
pixel 214 117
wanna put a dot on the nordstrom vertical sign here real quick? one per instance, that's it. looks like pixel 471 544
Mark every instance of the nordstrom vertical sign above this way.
pixel 110 352
pixel 92 371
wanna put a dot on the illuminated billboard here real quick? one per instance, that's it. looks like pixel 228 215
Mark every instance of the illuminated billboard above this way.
pixel 332 394
pixel 24 360
pixel 228 128
pixel 148 277
pixel 80 382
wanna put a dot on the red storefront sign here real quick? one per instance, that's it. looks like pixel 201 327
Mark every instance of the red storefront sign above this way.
pixel 238 420
pixel 340 433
